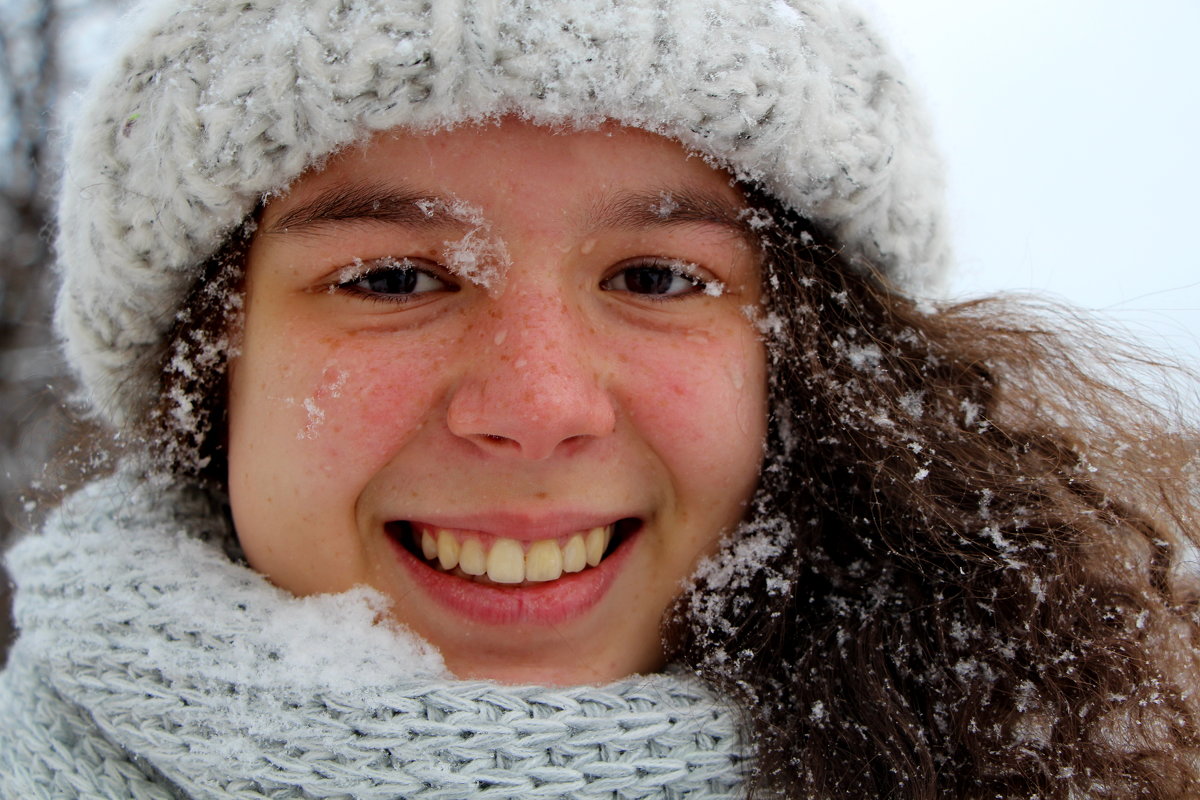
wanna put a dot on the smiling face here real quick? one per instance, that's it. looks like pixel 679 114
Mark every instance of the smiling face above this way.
pixel 508 378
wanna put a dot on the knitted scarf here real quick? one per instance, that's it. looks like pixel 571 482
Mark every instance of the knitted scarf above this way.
pixel 152 665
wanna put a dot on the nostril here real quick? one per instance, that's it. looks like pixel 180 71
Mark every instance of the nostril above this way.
pixel 496 443
pixel 530 415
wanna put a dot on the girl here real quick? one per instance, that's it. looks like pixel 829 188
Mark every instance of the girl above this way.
pixel 538 400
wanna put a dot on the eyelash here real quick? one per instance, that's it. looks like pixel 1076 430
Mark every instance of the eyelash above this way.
pixel 389 267
pixel 677 269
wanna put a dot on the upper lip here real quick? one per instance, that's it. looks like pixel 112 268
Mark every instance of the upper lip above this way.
pixel 523 527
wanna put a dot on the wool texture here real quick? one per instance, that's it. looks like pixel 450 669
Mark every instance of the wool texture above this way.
pixel 214 105
pixel 151 665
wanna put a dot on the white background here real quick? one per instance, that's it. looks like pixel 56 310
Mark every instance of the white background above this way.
pixel 1071 130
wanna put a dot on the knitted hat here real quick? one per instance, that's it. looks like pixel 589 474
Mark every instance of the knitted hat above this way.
pixel 214 104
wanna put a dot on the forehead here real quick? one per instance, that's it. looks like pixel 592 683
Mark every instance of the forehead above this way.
pixel 514 171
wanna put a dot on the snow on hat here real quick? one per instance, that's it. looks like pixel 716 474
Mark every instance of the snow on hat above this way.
pixel 214 104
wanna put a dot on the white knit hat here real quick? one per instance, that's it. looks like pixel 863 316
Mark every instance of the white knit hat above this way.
pixel 213 104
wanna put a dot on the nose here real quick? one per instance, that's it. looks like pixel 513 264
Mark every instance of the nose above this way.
pixel 535 382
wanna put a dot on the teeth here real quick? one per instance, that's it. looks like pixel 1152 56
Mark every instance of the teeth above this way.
pixel 544 561
pixel 574 555
pixel 597 543
pixel 429 546
pixel 508 560
pixel 447 550
pixel 471 558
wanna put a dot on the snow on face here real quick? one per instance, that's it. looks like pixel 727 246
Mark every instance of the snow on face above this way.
pixel 476 256
pixel 331 386
pixel 581 357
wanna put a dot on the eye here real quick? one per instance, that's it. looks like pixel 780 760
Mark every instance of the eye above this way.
pixel 658 278
pixel 391 279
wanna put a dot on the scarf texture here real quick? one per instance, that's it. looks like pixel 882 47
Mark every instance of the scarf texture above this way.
pixel 152 665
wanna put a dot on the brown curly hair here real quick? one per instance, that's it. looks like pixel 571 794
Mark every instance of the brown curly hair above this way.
pixel 968 573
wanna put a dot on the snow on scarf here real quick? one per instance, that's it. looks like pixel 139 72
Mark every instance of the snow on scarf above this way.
pixel 150 665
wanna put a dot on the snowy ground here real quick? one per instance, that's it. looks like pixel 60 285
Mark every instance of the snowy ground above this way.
pixel 1070 128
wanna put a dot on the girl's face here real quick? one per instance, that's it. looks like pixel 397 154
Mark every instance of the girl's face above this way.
pixel 508 377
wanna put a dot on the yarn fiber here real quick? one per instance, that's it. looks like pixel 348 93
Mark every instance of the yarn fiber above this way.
pixel 214 105
pixel 152 666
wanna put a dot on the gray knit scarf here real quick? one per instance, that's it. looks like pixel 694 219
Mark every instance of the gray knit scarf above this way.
pixel 151 665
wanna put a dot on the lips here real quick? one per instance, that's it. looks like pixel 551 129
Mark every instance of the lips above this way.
pixel 504 579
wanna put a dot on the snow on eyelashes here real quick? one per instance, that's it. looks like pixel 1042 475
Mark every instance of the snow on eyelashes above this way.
pixel 482 258
pixel 477 256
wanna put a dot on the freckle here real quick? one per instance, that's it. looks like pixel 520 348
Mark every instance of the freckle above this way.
pixel 499 340
pixel 542 495
pixel 588 246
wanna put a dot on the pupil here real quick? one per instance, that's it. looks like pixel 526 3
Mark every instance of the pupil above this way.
pixel 393 281
pixel 649 280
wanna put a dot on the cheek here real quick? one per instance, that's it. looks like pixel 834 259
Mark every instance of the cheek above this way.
pixel 323 410
pixel 370 402
pixel 312 421
pixel 702 406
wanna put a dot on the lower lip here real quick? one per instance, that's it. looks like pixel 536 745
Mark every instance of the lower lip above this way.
pixel 550 603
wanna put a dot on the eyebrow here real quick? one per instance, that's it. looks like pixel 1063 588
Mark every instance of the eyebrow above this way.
pixel 366 202
pixel 668 208
pixel 402 206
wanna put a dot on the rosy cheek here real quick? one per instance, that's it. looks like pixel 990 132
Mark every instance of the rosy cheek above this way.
pixel 365 401
pixel 699 397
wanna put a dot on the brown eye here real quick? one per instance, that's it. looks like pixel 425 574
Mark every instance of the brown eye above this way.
pixel 662 279
pixel 394 279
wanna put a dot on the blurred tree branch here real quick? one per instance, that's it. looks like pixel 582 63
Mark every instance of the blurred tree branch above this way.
pixel 37 69
pixel 29 74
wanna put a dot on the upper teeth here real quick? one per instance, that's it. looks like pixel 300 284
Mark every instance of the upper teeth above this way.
pixel 508 560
